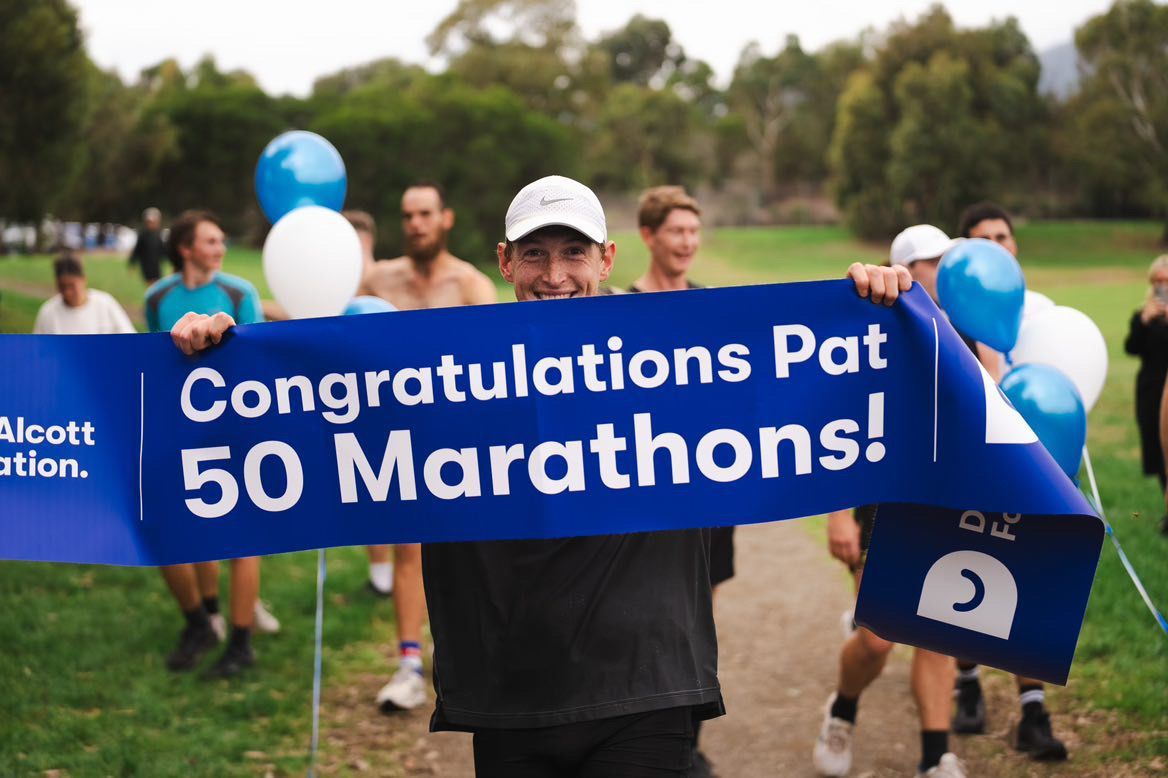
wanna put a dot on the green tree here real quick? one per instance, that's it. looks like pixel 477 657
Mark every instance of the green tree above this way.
pixel 43 80
pixel 645 137
pixel 1126 54
pixel 787 106
pixel 480 145
pixel 221 123
pixel 938 118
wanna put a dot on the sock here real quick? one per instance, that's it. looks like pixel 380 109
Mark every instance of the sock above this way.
pixel 411 655
pixel 967 680
pixel 381 575
pixel 197 617
pixel 240 638
pixel 1032 697
pixel 211 605
pixel 845 708
pixel 934 745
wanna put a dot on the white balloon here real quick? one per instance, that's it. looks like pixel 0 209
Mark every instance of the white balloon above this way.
pixel 1068 340
pixel 312 261
pixel 1035 303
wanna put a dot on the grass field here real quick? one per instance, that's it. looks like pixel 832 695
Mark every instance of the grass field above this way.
pixel 81 674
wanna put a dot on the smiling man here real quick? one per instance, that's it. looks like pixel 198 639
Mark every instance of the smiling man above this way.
pixel 670 223
pixel 197 247
pixel 540 646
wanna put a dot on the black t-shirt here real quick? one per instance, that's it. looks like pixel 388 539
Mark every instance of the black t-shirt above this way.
pixel 540 633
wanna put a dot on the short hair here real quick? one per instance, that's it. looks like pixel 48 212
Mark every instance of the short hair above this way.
pixel 362 222
pixel 182 232
pixel 655 205
pixel 68 265
pixel 428 184
pixel 151 213
pixel 980 212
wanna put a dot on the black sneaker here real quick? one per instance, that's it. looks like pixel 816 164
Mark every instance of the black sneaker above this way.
pixel 193 644
pixel 231 663
pixel 1036 739
pixel 970 716
pixel 1164 524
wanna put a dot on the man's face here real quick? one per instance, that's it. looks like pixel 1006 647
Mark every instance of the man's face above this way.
pixel 366 245
pixel 425 223
pixel 553 263
pixel 207 248
pixel 996 230
pixel 153 222
pixel 924 272
pixel 72 289
pixel 673 245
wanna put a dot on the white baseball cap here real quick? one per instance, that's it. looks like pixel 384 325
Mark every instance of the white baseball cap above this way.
pixel 921 241
pixel 559 201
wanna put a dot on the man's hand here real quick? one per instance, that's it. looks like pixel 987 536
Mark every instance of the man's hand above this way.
pixel 198 331
pixel 843 537
pixel 880 284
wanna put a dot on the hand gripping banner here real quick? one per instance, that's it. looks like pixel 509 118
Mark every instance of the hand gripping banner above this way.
pixel 604 415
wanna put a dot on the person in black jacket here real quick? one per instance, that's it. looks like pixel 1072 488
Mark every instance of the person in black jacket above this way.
pixel 149 248
pixel 1148 339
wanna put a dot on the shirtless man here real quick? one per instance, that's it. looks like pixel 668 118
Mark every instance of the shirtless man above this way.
pixel 427 276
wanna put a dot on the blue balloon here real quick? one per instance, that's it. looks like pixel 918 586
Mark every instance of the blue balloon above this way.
pixel 980 286
pixel 1052 407
pixel 368 304
pixel 299 168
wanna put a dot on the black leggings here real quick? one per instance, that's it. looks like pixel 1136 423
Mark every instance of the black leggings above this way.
pixel 644 745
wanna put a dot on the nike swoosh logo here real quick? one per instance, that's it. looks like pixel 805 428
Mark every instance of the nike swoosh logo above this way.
pixel 545 201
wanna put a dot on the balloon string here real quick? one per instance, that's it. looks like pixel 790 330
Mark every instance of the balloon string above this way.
pixel 321 573
pixel 1131 571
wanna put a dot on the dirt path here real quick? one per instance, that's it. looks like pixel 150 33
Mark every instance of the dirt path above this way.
pixel 779 637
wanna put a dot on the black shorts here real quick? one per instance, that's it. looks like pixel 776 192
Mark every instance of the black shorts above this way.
pixel 721 555
pixel 865 516
pixel 643 745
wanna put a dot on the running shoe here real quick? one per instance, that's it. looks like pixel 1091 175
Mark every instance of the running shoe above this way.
pixel 405 691
pixel 833 749
pixel 1035 738
pixel 233 661
pixel 193 644
pixel 970 716
pixel 949 767
pixel 265 622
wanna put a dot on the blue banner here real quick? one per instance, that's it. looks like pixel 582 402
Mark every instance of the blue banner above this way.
pixel 602 415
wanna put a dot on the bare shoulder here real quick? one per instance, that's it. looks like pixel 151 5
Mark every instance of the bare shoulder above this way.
pixel 477 286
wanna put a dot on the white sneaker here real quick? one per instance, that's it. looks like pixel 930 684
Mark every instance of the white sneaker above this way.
pixel 405 691
pixel 218 625
pixel 949 767
pixel 265 622
pixel 833 750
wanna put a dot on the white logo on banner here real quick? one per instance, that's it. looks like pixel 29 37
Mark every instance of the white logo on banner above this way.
pixel 1003 423
pixel 971 590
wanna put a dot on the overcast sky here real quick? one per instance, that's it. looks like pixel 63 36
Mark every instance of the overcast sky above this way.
pixel 287 45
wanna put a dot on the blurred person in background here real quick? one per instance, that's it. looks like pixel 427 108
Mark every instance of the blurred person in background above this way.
pixel 1147 339
pixel 149 249
pixel 76 309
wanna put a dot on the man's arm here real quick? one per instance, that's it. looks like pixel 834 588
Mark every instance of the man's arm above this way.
pixel 843 537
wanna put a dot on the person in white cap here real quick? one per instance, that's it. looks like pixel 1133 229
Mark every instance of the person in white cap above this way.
pixel 587 656
pixel 918 249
